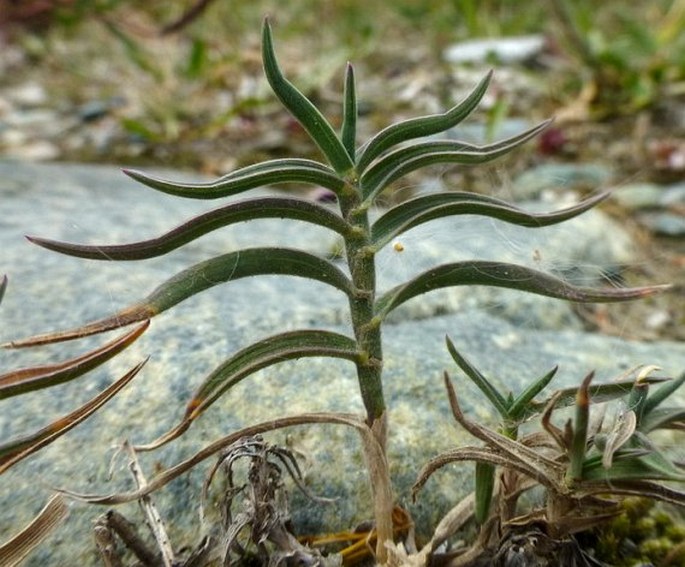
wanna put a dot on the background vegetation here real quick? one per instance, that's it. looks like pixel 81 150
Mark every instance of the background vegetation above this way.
pixel 193 89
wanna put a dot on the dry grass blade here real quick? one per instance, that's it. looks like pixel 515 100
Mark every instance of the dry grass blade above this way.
pixel 29 379
pixel 18 547
pixel 154 520
pixel 167 437
pixel 546 421
pixel 452 522
pixel 17 449
pixel 483 455
pixel 641 488
pixel 171 473
pixel 133 314
pixel 621 432
pixel 377 464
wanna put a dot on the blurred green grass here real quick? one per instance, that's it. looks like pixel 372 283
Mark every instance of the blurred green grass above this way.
pixel 187 86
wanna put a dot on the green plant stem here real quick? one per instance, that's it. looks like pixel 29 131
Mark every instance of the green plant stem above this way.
pixel 367 331
pixel 366 328
pixel 579 441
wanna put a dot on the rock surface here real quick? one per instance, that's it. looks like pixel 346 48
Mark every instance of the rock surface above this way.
pixel 511 337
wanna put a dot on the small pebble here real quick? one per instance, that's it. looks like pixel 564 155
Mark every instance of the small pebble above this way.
pixel 40 150
pixel 35 118
pixel 673 195
pixel 12 137
pixel 664 224
pixel 658 319
pixel 96 109
pixel 28 95
pixel 507 50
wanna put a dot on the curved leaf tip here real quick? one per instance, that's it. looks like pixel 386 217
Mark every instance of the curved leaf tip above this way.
pixel 134 314
pixel 302 109
pixel 15 450
pixel 28 379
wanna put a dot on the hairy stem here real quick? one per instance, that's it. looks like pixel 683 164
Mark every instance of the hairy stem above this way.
pixel 367 332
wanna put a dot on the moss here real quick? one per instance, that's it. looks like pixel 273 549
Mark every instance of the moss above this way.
pixel 643 533
pixel 655 550
pixel 676 532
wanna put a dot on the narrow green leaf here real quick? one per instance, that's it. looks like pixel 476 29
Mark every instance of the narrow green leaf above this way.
pixel 641 488
pixel 3 287
pixel 272 350
pixel 274 164
pixel 243 264
pixel 14 450
pixel 638 397
pixel 498 274
pixel 197 59
pixel 302 109
pixel 387 163
pixel 29 379
pixel 268 207
pixel 205 275
pixel 662 393
pixel 250 177
pixel 421 126
pixel 403 161
pixel 520 409
pixel 580 426
pixel 625 466
pixel 484 385
pixel 598 392
pixel 348 133
pixel 484 485
pixel 424 208
pixel 663 418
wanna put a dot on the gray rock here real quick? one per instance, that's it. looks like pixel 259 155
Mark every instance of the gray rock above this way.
pixel 639 195
pixel 665 224
pixel 557 176
pixel 650 195
pixel 654 203
pixel 673 195
pixel 27 94
pixel 501 334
